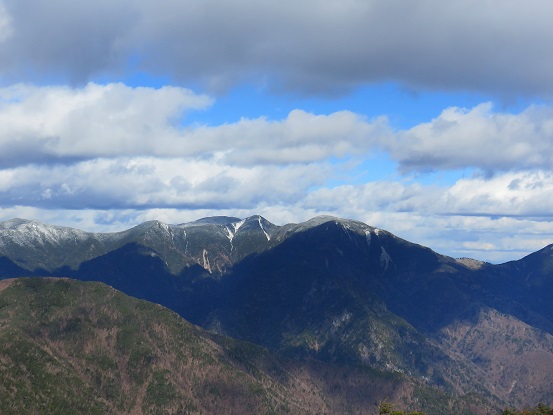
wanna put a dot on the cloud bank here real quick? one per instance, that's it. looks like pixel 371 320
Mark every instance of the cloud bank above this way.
pixel 309 47
pixel 478 137
pixel 49 125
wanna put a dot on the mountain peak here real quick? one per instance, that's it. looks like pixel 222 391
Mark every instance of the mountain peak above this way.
pixel 213 220
pixel 29 232
pixel 13 223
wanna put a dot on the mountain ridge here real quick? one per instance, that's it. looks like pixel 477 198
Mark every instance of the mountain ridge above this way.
pixel 24 233
pixel 71 347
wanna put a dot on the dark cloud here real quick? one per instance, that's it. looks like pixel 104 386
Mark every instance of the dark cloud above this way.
pixel 313 46
pixel 64 40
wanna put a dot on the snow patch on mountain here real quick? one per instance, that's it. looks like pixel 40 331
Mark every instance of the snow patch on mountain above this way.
pixel 238 225
pixel 368 237
pixel 230 233
pixel 232 230
pixel 384 258
pixel 206 261
pixel 263 229
pixel 347 229
pixel 30 233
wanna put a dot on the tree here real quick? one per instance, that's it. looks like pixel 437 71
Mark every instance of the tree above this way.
pixel 386 408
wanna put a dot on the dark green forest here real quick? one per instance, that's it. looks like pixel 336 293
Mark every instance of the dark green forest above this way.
pixel 538 410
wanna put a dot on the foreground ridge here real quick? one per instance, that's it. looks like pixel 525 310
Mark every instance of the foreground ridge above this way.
pixel 71 347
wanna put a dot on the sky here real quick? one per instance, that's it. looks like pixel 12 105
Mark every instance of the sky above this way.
pixel 431 119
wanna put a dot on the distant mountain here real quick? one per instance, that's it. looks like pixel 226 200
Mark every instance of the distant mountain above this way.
pixel 213 243
pixel 69 347
pixel 332 289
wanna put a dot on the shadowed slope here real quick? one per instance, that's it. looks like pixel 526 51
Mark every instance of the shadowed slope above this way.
pixel 70 347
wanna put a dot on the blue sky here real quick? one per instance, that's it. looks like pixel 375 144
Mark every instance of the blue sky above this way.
pixel 430 119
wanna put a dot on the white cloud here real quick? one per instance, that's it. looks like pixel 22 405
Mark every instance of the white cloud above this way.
pixel 147 182
pixel 510 194
pixel 60 124
pixel 313 46
pixel 42 123
pixel 478 137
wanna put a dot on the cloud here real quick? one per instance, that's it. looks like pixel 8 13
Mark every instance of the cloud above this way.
pixel 147 182
pixel 525 194
pixel 65 39
pixel 5 23
pixel 477 137
pixel 511 194
pixel 40 124
pixel 312 47
pixel 44 125
pixel 55 124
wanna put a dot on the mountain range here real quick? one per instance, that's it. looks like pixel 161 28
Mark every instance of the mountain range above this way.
pixel 328 290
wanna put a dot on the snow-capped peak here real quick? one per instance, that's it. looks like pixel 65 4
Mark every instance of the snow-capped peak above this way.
pixel 31 233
